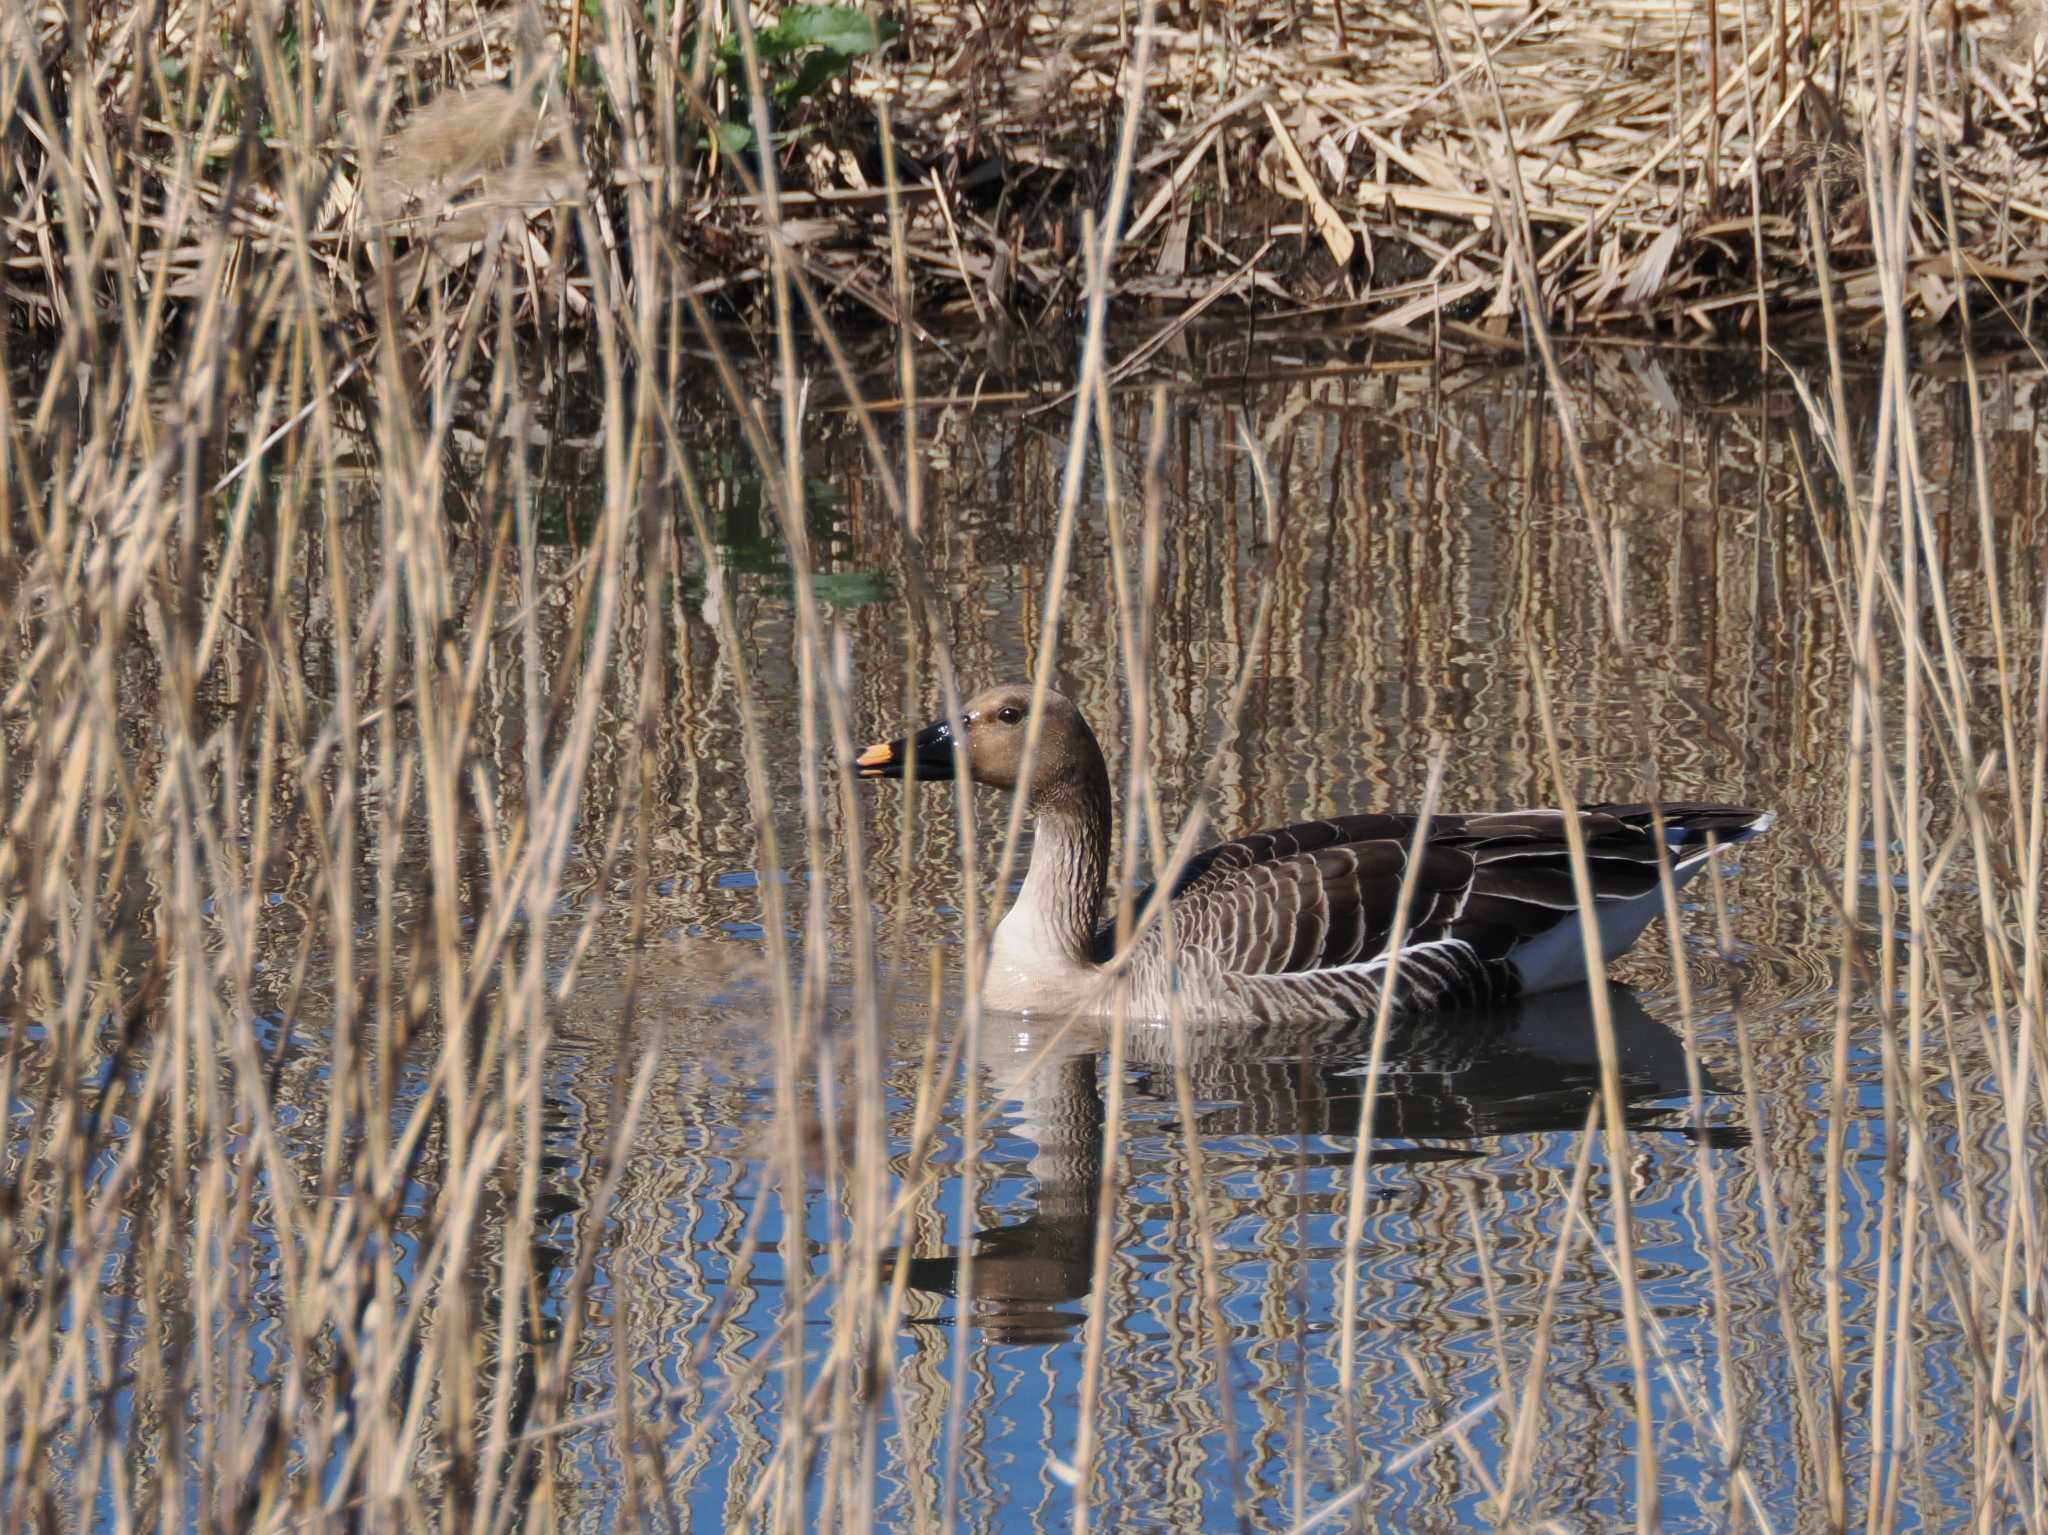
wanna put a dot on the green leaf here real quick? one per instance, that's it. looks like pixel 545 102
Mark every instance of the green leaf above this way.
pixel 817 72
pixel 768 48
pixel 735 138
pixel 842 29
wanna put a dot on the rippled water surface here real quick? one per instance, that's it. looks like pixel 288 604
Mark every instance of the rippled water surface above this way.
pixel 1427 555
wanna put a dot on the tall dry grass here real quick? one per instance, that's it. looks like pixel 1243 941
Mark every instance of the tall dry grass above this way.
pixel 192 445
pixel 1666 163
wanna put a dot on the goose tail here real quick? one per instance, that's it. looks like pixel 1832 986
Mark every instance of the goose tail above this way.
pixel 1693 833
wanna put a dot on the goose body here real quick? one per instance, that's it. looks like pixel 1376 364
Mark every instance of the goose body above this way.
pixel 1294 924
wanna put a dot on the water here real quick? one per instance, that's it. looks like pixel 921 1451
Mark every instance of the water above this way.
pixel 1429 554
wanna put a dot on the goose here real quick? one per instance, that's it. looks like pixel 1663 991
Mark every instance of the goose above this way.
pixel 1293 924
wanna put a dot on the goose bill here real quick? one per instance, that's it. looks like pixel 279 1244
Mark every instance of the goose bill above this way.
pixel 931 749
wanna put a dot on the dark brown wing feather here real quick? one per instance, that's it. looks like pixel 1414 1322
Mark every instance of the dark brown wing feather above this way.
pixel 1314 910
pixel 1322 894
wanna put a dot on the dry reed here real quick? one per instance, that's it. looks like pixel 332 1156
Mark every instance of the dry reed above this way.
pixel 1691 169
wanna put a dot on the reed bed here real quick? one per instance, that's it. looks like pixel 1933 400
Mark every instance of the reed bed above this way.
pixel 1374 159
pixel 292 917
pixel 1680 169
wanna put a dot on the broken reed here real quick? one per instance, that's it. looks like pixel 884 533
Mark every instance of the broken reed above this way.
pixel 168 757
pixel 1669 163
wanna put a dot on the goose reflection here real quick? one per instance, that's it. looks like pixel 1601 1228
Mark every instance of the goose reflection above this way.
pixel 1530 1067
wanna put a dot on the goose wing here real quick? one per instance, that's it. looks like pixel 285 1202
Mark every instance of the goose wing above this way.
pixel 1318 909
pixel 1322 894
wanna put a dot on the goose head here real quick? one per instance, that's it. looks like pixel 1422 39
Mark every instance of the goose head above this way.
pixel 993 725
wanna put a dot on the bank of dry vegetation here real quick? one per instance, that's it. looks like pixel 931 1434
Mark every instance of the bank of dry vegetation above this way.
pixel 1682 168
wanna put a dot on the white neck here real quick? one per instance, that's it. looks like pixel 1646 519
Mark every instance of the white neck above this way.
pixel 1043 954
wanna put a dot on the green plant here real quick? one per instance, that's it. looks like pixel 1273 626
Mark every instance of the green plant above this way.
pixel 801 54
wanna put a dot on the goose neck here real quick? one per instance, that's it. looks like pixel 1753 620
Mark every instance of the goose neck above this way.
pixel 1069 861
pixel 1043 956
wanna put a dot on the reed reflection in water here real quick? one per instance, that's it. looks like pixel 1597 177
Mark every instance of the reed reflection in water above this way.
pixel 1426 538
pixel 1426 555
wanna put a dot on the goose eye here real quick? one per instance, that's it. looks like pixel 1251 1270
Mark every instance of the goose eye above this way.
pixel 1009 714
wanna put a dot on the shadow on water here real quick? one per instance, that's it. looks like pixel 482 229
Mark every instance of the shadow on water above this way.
pixel 1445 1083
